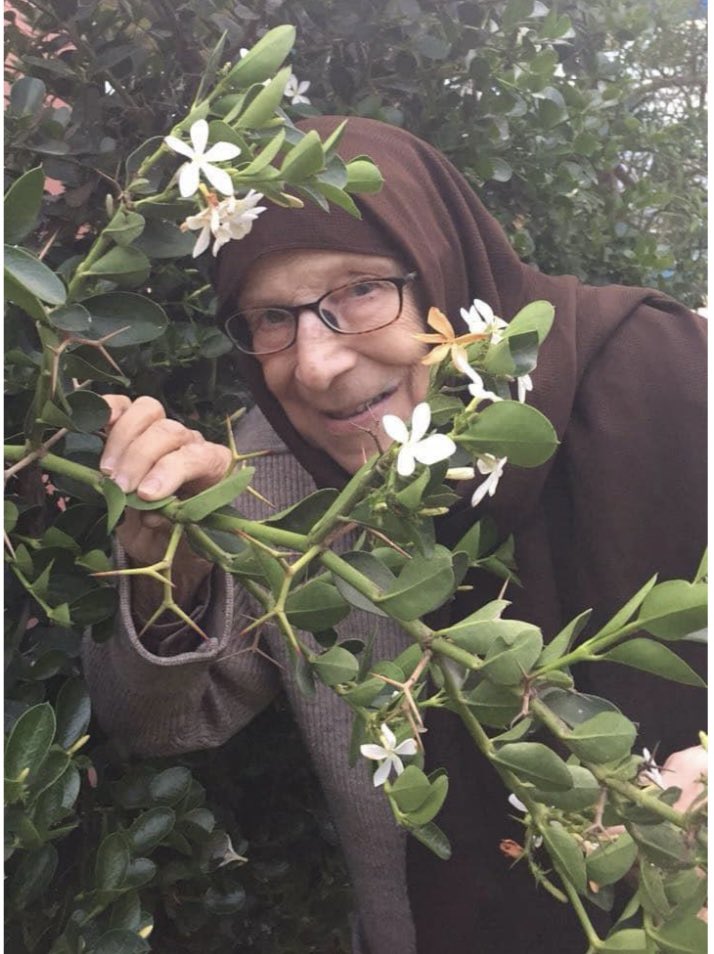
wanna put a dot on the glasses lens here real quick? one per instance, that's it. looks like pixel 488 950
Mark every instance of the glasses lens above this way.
pixel 262 330
pixel 363 306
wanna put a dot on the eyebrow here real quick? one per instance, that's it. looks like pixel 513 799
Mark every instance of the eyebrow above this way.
pixel 352 274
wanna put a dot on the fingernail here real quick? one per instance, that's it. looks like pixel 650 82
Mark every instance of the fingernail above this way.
pixel 107 465
pixel 150 486
pixel 121 481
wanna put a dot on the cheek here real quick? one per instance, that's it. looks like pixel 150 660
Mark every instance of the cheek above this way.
pixel 277 374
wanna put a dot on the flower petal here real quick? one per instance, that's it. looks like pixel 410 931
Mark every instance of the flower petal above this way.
pixel 516 802
pixel 407 747
pixel 371 751
pixel 405 462
pixel 439 322
pixel 436 355
pixel 387 736
pixel 188 179
pixel 434 448
pixel 382 773
pixel 199 136
pixel 395 428
pixel 397 763
pixel 202 242
pixel 480 493
pixel 421 419
pixel 218 178
pixel 181 147
pixel 222 152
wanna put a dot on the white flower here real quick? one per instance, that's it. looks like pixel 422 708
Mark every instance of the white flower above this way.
pixel 294 90
pixel 650 770
pixel 476 388
pixel 516 802
pixel 481 320
pixel 416 447
pixel 525 384
pixel 229 219
pixel 493 466
pixel 200 160
pixel 388 754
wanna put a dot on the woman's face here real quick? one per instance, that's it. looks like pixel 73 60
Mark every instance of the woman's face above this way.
pixel 335 388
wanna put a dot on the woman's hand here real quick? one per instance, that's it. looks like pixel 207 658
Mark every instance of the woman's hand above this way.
pixel 687 770
pixel 148 453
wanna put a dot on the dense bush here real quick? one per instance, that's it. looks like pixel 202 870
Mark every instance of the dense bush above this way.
pixel 558 117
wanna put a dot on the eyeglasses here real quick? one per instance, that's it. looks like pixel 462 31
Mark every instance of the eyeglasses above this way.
pixel 353 309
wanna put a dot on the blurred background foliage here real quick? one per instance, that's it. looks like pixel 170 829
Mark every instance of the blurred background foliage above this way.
pixel 582 126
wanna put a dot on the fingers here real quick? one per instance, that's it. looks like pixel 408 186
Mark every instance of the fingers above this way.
pixel 195 466
pixel 118 403
pixel 130 421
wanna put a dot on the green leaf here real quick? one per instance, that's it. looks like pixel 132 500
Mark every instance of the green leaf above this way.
pixel 265 156
pixel 339 198
pixel 478 635
pixel 363 176
pixel 491 705
pixel 170 786
pixel 125 266
pixel 508 661
pixel 336 666
pixel 302 517
pixel 162 239
pixel 653 657
pixel 304 159
pixel 125 913
pixel 30 740
pixel 410 789
pixel 125 227
pixel 201 505
pixel 53 766
pixel 11 515
pixel 535 763
pixel 33 876
pixel 116 501
pixel 119 941
pixel 315 606
pixel 663 844
pixel 150 829
pixel 582 795
pixel 27 96
pixel 375 571
pixel 263 107
pixel 511 429
pixel 263 59
pixel 604 738
pixel 560 644
pixel 431 807
pixel 23 201
pixel 73 710
pixel 422 585
pixel 575 707
pixel 685 936
pixel 434 839
pixel 628 941
pixel 73 318
pixel 623 615
pixel 612 860
pixel 88 411
pixel 136 319
pixel 566 854
pixel 112 861
pixel 34 276
pixel 674 609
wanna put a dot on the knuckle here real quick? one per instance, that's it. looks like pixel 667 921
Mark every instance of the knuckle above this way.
pixel 150 405
pixel 167 425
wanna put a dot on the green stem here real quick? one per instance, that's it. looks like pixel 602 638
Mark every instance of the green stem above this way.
pixel 345 501
pixel 586 651
pixel 99 247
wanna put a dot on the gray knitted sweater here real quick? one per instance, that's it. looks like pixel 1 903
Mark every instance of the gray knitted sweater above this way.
pixel 184 697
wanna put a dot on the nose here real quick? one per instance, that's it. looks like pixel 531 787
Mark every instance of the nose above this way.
pixel 322 355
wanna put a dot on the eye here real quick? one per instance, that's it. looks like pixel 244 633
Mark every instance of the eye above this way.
pixel 363 289
pixel 268 318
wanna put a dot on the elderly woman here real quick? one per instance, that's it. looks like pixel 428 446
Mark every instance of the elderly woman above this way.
pixel 621 377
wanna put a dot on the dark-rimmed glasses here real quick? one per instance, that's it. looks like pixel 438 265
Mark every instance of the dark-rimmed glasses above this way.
pixel 354 309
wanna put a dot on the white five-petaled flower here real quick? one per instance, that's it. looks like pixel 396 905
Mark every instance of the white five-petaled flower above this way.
pixel 201 161
pixel 493 466
pixel 476 388
pixel 415 446
pixel 388 754
pixel 650 769
pixel 294 90
pixel 481 320
pixel 231 218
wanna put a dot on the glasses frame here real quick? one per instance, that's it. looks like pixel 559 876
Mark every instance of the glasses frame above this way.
pixel 315 306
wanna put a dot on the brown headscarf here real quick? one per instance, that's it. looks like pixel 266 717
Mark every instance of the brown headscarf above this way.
pixel 622 378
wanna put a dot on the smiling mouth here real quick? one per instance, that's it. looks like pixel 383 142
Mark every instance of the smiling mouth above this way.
pixel 360 408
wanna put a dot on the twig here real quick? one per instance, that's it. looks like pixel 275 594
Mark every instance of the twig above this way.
pixel 33 455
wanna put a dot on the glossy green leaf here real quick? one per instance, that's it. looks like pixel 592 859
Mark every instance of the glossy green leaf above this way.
pixel 584 793
pixel 508 661
pixel 112 861
pixel 611 860
pixel 410 789
pixel 566 854
pixel 116 501
pixel 30 740
pixel 150 829
pixel 73 710
pixel 119 941
pixel 315 606
pixel 34 276
pixel 20 296
pixel 304 159
pixel 491 705
pixel 363 176
pixel 535 763
pixel 265 156
pixel 561 643
pixel 422 585
pixel 170 786
pixel 128 266
pixel 131 319
pixel 161 239
pixel 626 612
pixel 649 656
pixel 432 805
pixel 604 738
pixel 375 571
pixel 432 837
pixel 575 707
pixel 513 430
pixel 125 227
pixel 125 913
pixel 335 666
pixel 52 767
pixel 33 876
pixel 23 201
pixel 262 108
pixel 11 514
pixel 663 844
pixel 627 941
pixel 73 318
pixel 201 505
pixel 27 96
pixel 263 59
pixel 674 609
pixel 686 936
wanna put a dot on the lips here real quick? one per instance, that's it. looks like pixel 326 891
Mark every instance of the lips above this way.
pixel 360 409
